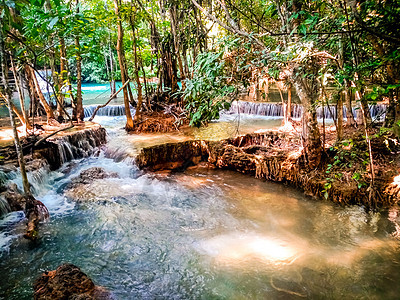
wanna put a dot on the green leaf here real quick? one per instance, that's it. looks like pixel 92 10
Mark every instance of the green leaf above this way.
pixel 53 22
pixel 302 29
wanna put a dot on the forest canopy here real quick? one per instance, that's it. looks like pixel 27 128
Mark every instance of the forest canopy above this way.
pixel 202 54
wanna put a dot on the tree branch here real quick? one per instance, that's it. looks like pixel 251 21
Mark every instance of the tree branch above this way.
pixel 227 27
pixel 109 100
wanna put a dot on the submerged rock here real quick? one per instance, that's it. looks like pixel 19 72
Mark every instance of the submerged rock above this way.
pixel 68 282
pixel 90 175
pixel 80 188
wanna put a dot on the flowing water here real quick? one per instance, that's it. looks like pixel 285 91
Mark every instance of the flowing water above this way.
pixel 200 234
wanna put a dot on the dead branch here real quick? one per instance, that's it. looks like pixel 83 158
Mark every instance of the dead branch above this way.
pixel 50 135
pixel 109 100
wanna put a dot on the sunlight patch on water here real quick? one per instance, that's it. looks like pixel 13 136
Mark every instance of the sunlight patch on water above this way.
pixel 238 249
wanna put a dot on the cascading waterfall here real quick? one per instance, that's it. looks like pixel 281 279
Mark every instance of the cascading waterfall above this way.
pixel 80 144
pixel 4 207
pixel 275 110
pixel 109 110
pixel 75 145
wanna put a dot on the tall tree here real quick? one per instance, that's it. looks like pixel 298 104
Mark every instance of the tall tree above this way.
pixel 121 58
pixel 78 109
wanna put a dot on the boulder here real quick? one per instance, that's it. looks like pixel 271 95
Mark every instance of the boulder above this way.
pixel 14 197
pixel 68 282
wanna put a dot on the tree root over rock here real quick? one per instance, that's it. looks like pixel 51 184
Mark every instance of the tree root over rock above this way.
pixel 35 211
pixel 168 120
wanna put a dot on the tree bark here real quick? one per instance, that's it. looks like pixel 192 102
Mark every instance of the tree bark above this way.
pixel 307 90
pixel 121 58
pixel 138 113
pixel 289 102
pixel 42 100
pixel 339 112
pixel 177 46
pixel 347 96
pixel 7 95
pixel 54 75
pixel 23 117
pixel 78 113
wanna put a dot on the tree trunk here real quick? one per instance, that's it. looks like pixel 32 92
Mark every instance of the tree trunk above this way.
pixel 138 113
pixel 347 96
pixel 366 118
pixel 7 95
pixel 307 90
pixel 112 79
pixel 339 112
pixel 284 109
pixel 146 90
pixel 390 117
pixel 121 59
pixel 78 113
pixel 64 75
pixel 177 43
pixel 24 118
pixel 17 112
pixel 289 102
pixel 42 100
pixel 54 75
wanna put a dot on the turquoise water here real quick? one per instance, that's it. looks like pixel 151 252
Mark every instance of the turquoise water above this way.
pixel 93 93
pixel 200 234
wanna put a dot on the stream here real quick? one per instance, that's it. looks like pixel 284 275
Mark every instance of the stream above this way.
pixel 199 234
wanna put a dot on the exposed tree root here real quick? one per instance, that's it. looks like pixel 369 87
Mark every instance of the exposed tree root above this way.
pixel 276 157
pixel 158 122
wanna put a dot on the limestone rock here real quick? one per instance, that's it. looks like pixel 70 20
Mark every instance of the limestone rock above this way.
pixel 90 175
pixel 83 188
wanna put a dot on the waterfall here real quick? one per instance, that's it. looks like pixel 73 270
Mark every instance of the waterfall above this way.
pixel 109 110
pixel 55 152
pixel 79 144
pixel 275 110
pixel 4 206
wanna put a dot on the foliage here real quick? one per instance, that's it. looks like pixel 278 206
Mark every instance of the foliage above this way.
pixel 209 90
pixel 350 162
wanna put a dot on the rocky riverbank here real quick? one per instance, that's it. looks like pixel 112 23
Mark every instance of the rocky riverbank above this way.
pixel 279 157
pixel 50 154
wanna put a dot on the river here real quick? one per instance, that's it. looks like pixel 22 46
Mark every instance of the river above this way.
pixel 200 234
